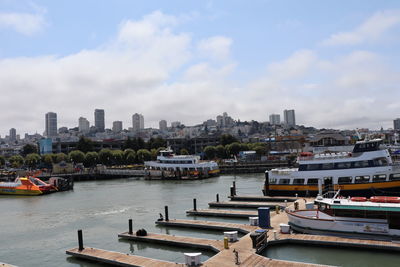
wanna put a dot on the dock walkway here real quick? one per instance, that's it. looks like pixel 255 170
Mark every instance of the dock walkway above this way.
pixel 243 204
pixel 261 198
pixel 222 213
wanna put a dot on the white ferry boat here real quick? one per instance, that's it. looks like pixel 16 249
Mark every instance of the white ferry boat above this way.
pixel 367 170
pixel 378 216
pixel 182 166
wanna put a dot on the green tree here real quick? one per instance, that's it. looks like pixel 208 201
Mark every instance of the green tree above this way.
pixel 105 156
pixel 129 156
pixel 28 149
pixel 85 144
pixel 220 152
pixel 91 159
pixel 2 161
pixel 184 151
pixel 210 152
pixel 117 157
pixel 156 143
pixel 244 147
pixel 48 160
pixel 32 160
pixel 16 161
pixel 61 157
pixel 260 150
pixel 232 149
pixel 76 156
pixel 153 153
pixel 143 155
pixel 227 139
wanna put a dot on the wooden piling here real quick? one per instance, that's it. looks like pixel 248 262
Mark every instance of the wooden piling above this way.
pixel 80 240
pixel 194 204
pixel 217 197
pixel 166 214
pixel 130 226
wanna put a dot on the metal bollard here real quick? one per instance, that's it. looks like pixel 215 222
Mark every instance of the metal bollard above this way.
pixel 194 204
pixel 217 197
pixel 130 227
pixel 226 245
pixel 166 214
pixel 80 240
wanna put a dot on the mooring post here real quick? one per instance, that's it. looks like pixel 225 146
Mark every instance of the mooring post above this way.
pixel 217 197
pixel 166 214
pixel 234 188
pixel 80 240
pixel 232 191
pixel 130 227
pixel 194 204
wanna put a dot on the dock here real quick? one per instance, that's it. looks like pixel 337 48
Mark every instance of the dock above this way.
pixel 243 204
pixel 222 213
pixel 2 264
pixel 118 259
pixel 261 198
pixel 202 243
pixel 241 228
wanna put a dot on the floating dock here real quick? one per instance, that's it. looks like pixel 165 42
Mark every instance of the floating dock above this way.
pixel 261 198
pixel 243 204
pixel 202 243
pixel 222 213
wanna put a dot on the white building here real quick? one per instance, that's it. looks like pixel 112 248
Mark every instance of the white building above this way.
pixel 137 122
pixel 275 119
pixel 224 120
pixel 83 125
pixel 117 126
pixel 163 125
pixel 51 124
pixel 289 117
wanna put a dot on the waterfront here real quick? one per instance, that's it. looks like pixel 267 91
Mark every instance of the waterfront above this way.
pixel 36 231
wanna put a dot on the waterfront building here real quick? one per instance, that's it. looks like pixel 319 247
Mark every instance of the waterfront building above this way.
pixel 99 120
pixel 51 124
pixel 13 135
pixel 396 124
pixel 84 125
pixel 274 119
pixel 117 126
pixel 137 122
pixel 289 118
pixel 163 125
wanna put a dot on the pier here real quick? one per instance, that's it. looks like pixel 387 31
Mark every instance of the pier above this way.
pixel 223 213
pixel 243 204
pixel 261 198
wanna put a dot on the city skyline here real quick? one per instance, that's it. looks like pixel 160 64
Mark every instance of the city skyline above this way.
pixel 190 61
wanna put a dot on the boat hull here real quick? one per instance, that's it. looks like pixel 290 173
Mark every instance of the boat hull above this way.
pixel 20 192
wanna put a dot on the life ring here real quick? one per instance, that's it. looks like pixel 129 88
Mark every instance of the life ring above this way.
pixel 358 199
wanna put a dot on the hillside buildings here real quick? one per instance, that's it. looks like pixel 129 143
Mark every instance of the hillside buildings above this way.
pixel 84 125
pixel 275 119
pixel 117 126
pixel 289 118
pixel 163 125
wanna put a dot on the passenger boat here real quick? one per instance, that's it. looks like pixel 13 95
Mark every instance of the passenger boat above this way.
pixel 367 170
pixel 378 216
pixel 181 166
pixel 26 186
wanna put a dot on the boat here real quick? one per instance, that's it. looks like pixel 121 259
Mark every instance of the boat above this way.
pixel 378 216
pixel 367 170
pixel 26 186
pixel 169 165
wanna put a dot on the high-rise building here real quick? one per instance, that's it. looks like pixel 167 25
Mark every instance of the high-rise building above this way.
pixel 51 124
pixel 289 117
pixel 175 124
pixel 137 122
pixel 396 124
pixel 13 135
pixel 224 120
pixel 84 125
pixel 117 126
pixel 163 125
pixel 275 119
pixel 99 120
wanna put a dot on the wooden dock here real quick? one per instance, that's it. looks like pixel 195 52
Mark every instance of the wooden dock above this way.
pixel 261 198
pixel 243 204
pixel 202 243
pixel 223 213
pixel 242 228
pixel 2 264
pixel 119 259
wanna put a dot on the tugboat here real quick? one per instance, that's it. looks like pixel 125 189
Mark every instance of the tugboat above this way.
pixel 368 170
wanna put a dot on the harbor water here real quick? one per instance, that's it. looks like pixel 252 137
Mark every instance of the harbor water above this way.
pixel 36 231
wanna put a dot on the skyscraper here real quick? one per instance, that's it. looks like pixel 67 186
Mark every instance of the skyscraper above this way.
pixel 396 124
pixel 289 117
pixel 117 126
pixel 137 122
pixel 163 125
pixel 84 125
pixel 51 124
pixel 13 135
pixel 274 119
pixel 99 119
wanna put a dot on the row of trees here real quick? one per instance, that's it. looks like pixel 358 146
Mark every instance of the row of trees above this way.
pixel 233 149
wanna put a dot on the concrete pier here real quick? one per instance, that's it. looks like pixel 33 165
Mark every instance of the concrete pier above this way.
pixel 243 204
pixel 223 213
pixel 261 198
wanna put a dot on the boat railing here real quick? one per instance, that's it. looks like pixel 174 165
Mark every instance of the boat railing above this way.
pixel 325 156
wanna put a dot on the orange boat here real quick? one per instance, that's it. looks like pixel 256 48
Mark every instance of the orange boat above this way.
pixel 26 186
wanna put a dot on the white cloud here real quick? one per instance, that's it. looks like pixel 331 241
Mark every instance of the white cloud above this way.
pixel 217 47
pixel 24 23
pixel 370 30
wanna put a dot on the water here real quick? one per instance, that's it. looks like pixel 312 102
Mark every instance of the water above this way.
pixel 36 231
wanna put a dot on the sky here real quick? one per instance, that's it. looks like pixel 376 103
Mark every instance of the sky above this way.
pixel 336 63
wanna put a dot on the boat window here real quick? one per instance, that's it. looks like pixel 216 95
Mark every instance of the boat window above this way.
pixel 313 167
pixel 327 166
pixel 298 181
pixel 360 164
pixel 272 180
pixel 379 178
pixel 342 165
pixel 284 181
pixel 394 176
pixel 302 167
pixel 380 162
pixel 361 179
pixel 345 180
pixel 312 181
